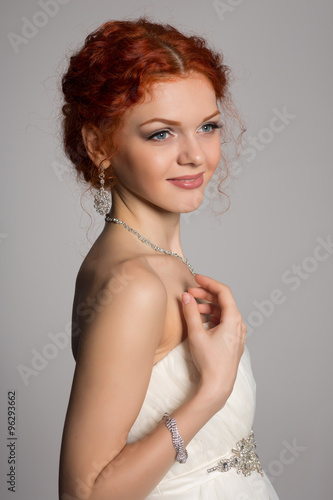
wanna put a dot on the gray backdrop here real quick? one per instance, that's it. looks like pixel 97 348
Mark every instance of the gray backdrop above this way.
pixel 273 247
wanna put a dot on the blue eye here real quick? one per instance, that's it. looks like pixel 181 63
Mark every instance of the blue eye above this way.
pixel 162 135
pixel 212 125
pixel 159 136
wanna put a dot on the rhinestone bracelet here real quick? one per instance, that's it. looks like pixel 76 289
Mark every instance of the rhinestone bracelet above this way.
pixel 177 440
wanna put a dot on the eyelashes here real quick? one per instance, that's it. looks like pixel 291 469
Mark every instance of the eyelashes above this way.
pixel 214 125
pixel 157 135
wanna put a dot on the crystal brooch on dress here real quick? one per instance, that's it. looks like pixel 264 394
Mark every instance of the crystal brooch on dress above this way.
pixel 244 458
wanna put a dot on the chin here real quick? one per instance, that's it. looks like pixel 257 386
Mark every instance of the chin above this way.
pixel 191 205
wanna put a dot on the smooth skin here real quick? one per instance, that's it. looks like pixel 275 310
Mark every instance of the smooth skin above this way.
pixel 130 308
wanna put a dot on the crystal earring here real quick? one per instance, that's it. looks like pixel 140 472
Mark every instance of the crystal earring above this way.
pixel 102 200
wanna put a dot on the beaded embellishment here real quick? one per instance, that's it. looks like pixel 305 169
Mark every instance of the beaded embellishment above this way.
pixel 244 458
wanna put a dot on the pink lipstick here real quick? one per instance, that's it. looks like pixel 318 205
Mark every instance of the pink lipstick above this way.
pixel 187 181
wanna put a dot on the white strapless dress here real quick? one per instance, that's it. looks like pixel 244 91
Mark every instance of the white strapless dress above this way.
pixel 173 379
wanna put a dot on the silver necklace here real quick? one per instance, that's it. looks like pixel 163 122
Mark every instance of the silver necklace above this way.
pixel 152 245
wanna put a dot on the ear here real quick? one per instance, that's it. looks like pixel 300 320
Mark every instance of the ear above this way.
pixel 94 144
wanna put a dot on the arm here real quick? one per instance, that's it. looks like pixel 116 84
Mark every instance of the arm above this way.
pixel 110 383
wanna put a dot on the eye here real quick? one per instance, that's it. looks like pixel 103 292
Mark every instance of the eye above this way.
pixel 211 126
pixel 159 136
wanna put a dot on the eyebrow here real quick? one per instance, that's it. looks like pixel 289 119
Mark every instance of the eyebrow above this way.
pixel 172 122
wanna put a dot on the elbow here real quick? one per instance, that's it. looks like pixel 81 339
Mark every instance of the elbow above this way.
pixel 71 488
pixel 90 489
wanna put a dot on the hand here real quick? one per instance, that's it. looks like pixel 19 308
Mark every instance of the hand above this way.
pixel 217 351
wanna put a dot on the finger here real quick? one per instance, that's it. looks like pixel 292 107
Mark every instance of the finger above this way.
pixel 191 313
pixel 223 292
pixel 209 309
pixel 215 320
pixel 200 293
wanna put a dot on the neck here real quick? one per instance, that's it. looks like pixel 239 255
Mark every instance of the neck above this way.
pixel 159 226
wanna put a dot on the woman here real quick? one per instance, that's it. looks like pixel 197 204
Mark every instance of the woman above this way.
pixel 162 401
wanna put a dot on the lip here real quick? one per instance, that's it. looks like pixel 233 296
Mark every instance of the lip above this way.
pixel 185 177
pixel 187 181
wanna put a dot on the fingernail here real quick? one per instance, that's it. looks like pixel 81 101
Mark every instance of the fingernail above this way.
pixel 186 298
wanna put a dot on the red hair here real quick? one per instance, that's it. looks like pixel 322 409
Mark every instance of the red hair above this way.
pixel 113 71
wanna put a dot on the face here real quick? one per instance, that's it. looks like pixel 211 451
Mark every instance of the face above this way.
pixel 169 146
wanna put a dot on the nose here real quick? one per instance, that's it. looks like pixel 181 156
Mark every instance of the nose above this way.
pixel 191 152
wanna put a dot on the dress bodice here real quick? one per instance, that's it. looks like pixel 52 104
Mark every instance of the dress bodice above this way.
pixel 174 378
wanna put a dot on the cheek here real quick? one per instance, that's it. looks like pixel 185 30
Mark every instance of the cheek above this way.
pixel 213 156
pixel 152 164
pixel 141 170
pixel 159 157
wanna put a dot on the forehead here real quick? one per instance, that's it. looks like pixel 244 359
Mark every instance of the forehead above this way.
pixel 193 95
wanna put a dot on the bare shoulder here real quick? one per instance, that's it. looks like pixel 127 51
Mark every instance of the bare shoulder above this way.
pixel 107 296
pixel 135 293
pixel 105 283
pixel 136 277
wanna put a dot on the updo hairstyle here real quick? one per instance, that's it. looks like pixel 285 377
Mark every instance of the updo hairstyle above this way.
pixel 113 71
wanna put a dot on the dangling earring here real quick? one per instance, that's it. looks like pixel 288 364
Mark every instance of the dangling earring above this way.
pixel 102 200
